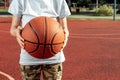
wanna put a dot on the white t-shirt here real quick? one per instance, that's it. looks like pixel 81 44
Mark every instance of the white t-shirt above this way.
pixel 29 9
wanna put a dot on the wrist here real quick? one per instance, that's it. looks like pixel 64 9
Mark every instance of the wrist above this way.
pixel 15 31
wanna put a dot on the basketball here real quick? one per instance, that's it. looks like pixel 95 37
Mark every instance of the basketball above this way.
pixel 43 37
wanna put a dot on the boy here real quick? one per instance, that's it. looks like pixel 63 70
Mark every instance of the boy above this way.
pixel 25 10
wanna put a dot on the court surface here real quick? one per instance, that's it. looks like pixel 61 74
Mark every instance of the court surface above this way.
pixel 92 53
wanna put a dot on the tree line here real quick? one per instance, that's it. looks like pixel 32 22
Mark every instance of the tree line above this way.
pixel 87 2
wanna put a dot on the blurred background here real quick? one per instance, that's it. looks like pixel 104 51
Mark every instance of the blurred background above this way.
pixel 84 9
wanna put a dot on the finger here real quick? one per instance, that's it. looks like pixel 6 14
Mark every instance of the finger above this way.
pixel 19 27
pixel 22 46
pixel 65 43
pixel 18 31
pixel 19 36
pixel 20 42
pixel 63 46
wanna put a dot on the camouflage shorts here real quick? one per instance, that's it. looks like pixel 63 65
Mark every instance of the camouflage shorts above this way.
pixel 49 72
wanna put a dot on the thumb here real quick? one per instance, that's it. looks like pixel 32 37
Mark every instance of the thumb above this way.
pixel 19 27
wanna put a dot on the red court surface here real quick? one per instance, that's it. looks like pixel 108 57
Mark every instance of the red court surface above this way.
pixel 92 53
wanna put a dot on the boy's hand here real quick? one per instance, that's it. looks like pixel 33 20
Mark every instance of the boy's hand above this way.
pixel 65 43
pixel 66 40
pixel 19 38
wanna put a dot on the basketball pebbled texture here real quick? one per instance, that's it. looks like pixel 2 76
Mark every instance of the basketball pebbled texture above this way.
pixel 44 37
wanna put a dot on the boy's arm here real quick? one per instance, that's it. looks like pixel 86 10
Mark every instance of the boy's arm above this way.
pixel 63 21
pixel 16 29
pixel 14 25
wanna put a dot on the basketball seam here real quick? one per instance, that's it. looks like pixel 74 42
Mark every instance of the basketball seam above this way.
pixel 45 36
pixel 54 38
pixel 36 36
pixel 43 43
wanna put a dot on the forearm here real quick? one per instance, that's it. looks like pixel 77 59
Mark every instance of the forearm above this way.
pixel 15 30
pixel 63 22
pixel 14 25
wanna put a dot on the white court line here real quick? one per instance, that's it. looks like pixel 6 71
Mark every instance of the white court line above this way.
pixel 6 75
pixel 95 36
pixel 89 36
pixel 4 31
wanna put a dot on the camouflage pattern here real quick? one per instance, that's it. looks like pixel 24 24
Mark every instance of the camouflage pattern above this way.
pixel 49 72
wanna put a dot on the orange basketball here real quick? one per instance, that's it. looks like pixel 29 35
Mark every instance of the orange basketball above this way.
pixel 44 37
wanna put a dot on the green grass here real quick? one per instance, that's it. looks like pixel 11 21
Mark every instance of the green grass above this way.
pixel 90 15
pixel 87 14
pixel 3 10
